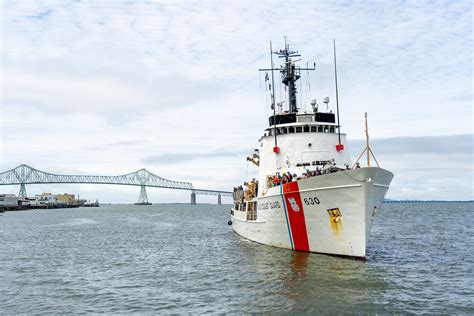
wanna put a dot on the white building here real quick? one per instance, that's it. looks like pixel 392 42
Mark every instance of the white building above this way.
pixel 45 199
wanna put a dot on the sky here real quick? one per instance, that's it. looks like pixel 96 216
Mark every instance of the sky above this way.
pixel 110 87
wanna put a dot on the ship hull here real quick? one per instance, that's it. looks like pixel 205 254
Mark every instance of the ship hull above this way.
pixel 330 214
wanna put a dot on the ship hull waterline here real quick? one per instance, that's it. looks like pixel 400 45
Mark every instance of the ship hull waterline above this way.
pixel 329 214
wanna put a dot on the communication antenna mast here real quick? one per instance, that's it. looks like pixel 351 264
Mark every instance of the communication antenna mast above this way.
pixel 273 96
pixel 337 95
pixel 308 85
pixel 290 74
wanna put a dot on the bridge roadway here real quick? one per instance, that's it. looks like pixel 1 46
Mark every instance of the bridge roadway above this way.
pixel 24 174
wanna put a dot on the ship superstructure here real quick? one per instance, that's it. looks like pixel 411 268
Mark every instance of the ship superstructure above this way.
pixel 308 196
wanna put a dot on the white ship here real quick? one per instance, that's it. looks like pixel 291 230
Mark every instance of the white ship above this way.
pixel 308 195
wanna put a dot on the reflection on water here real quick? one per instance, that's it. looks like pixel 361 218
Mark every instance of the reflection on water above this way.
pixel 185 259
pixel 299 264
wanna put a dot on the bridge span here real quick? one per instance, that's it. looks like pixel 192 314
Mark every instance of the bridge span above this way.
pixel 24 174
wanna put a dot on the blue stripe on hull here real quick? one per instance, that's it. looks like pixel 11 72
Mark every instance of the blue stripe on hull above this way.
pixel 286 216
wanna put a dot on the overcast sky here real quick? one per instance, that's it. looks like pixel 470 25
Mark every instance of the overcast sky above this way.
pixel 109 87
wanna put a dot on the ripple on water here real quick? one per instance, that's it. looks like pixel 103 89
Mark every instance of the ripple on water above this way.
pixel 185 259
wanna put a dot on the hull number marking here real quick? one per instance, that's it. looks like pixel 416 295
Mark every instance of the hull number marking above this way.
pixel 311 201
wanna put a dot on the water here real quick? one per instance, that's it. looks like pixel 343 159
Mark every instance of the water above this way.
pixel 185 259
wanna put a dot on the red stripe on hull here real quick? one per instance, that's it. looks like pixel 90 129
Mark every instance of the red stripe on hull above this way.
pixel 295 211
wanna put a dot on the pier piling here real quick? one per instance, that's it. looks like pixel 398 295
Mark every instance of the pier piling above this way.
pixel 193 198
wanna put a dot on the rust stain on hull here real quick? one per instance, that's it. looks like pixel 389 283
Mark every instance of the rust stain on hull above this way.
pixel 335 218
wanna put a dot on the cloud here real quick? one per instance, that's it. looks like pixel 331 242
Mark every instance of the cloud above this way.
pixel 176 158
pixel 125 98
pixel 452 145
pixel 438 168
pixel 461 98
pixel 41 15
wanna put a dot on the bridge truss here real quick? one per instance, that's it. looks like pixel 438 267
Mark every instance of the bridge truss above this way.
pixel 24 174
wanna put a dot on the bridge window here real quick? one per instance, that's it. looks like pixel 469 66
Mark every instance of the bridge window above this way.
pixel 306 129
pixel 326 129
pixel 284 130
pixel 313 129
pixel 331 130
pixel 291 129
pixel 320 129
pixel 299 129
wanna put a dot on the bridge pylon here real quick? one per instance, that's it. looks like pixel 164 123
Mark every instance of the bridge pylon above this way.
pixel 193 198
pixel 219 199
pixel 22 192
pixel 143 197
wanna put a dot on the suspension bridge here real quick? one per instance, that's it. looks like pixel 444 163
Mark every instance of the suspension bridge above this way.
pixel 24 174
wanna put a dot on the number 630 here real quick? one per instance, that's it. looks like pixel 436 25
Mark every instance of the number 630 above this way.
pixel 311 200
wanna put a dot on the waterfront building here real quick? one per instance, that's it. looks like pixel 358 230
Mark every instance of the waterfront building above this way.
pixel 65 199
pixel 8 200
pixel 45 199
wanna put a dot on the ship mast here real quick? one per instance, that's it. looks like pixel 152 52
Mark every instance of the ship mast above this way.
pixel 367 149
pixel 290 73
